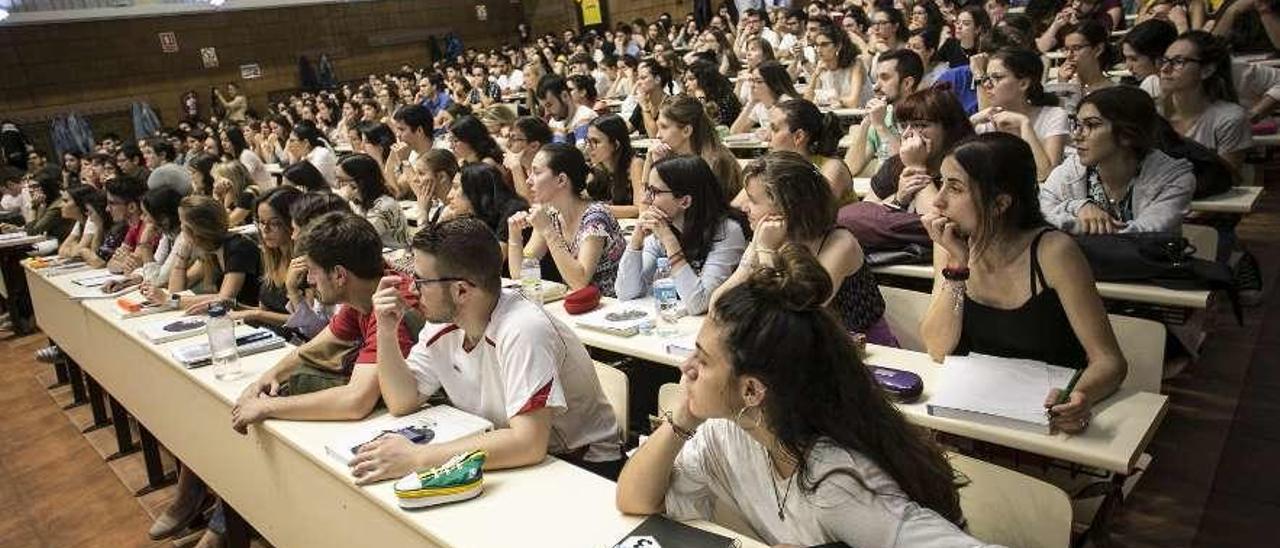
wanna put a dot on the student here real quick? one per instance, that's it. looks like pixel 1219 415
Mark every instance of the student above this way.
pixel 615 177
pixel 840 73
pixel 233 188
pixel 684 128
pixel 430 179
pixel 582 236
pixel 770 84
pixel 237 147
pixel 897 75
pixel 780 421
pixel 304 176
pixel 543 395
pixel 991 243
pixel 87 206
pixel 360 175
pixel 972 25
pixel 376 140
pixel 930 121
pixel 334 375
pixel 46 206
pixel 1012 99
pixel 789 201
pixel 582 90
pixel 798 126
pixel 14 205
pixel 305 142
pixel 275 229
pixel 160 156
pixel 641 109
pixel 160 215
pixel 704 82
pixel 1198 97
pixel 527 137
pixel 925 43
pixel 472 142
pixel 686 219
pixel 200 173
pixel 758 51
pixel 132 162
pixel 478 190
pixel 230 265
pixel 1142 47
pixel 1117 181
pixel 567 120
pixel 1088 57
pixel 138 241
pixel 307 315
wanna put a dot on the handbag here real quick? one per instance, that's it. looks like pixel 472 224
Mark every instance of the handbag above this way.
pixel 1158 258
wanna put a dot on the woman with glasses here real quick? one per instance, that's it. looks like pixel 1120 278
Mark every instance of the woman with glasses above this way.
pixel 1117 182
pixel 790 203
pixel 615 177
pixel 888 29
pixel 839 73
pixel 362 181
pixel 1009 285
pixel 930 122
pixel 1088 55
pixel 275 230
pixel 528 135
pixel 769 84
pixel 1012 99
pixel 687 220
pixel 582 237
pixel 971 25
pixel 1198 97
pixel 798 126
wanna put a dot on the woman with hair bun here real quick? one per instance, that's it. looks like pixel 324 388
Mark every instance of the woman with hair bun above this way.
pixel 582 237
pixel 1013 100
pixel 779 419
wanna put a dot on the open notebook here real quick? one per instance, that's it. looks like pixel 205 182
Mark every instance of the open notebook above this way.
pixel 997 391
pixel 435 424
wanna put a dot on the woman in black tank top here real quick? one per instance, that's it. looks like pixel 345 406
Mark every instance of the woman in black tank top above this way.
pixel 991 238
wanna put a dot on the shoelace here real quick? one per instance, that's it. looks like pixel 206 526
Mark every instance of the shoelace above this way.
pixel 450 465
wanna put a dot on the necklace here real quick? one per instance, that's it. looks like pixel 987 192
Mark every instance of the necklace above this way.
pixel 780 499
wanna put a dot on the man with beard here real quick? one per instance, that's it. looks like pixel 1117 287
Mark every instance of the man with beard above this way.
pixel 896 76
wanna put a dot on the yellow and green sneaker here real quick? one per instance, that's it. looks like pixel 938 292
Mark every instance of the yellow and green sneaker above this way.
pixel 459 478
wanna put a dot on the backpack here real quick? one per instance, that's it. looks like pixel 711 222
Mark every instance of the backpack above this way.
pixel 1158 258
pixel 1213 175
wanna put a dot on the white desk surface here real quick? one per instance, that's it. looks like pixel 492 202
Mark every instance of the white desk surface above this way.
pixel 1239 199
pixel 280 477
pixel 1272 140
pixel 1140 293
pixel 1122 425
pixel 14 241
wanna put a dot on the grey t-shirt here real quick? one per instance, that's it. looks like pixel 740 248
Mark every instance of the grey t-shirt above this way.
pixel 170 175
pixel 1223 127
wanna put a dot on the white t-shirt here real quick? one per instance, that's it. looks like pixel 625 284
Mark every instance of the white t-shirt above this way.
pixel 257 170
pixel 1047 122
pixel 724 462
pixel 325 162
pixel 524 352
pixel 1223 127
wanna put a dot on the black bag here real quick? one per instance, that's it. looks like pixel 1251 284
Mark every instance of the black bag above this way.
pixel 1158 258
pixel 1213 175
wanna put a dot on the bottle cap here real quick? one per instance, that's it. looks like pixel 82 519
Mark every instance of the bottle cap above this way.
pixel 217 309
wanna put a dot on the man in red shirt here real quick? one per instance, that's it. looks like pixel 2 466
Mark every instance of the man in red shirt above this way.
pixel 344 264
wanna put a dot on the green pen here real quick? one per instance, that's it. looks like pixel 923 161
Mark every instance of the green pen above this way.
pixel 1066 392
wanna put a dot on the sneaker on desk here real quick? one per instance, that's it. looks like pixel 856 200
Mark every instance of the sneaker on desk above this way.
pixel 50 354
pixel 459 478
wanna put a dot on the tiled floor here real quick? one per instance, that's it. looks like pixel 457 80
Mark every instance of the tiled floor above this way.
pixel 1213 481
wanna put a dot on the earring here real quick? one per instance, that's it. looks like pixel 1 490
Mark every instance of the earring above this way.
pixel 759 417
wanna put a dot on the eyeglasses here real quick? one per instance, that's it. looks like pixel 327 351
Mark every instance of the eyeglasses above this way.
pixel 1086 126
pixel 993 79
pixel 916 125
pixel 419 282
pixel 651 191
pixel 274 225
pixel 1176 62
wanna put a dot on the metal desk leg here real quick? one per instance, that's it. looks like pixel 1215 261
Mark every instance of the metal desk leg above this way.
pixel 59 370
pixel 78 396
pixel 97 405
pixel 1099 531
pixel 124 436
pixel 156 477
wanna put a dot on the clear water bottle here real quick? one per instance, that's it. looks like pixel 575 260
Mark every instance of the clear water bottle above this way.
pixel 222 342
pixel 531 278
pixel 666 299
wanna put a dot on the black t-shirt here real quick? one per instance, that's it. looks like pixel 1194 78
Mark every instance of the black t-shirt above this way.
pixel 953 54
pixel 637 120
pixel 240 254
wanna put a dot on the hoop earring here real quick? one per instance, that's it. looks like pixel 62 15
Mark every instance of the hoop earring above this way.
pixel 737 419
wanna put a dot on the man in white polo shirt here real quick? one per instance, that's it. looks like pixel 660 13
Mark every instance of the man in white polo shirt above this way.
pixel 496 355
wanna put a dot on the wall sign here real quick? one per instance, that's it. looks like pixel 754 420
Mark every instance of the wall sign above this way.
pixel 249 72
pixel 209 56
pixel 168 42
pixel 482 12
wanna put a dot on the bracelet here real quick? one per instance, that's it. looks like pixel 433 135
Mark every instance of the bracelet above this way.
pixel 957 288
pixel 685 435
pixel 956 274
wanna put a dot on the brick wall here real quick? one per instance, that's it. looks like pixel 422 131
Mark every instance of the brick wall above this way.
pixel 628 10
pixel 101 65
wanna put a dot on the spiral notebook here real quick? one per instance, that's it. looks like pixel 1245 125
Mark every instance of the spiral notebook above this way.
pixel 250 341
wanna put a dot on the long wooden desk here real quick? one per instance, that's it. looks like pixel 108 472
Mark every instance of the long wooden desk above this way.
pixel 279 477
pixel 1122 425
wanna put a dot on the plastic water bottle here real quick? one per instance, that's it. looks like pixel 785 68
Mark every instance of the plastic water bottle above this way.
pixel 222 343
pixel 531 278
pixel 666 299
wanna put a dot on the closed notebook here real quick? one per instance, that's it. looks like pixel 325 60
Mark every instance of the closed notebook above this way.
pixel 445 424
pixel 659 531
pixel 172 329
pixel 623 321
pixel 683 347
pixel 248 342
pixel 997 391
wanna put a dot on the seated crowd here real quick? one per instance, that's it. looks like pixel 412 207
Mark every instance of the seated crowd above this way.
pixel 533 150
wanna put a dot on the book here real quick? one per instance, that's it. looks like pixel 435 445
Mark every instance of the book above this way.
pixel 172 329
pixel 658 531
pixel 95 279
pixel 997 391
pixel 139 306
pixel 623 321
pixel 683 347
pixel 438 424
pixel 249 342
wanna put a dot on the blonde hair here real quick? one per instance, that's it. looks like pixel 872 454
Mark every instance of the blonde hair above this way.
pixel 235 172
pixel 206 220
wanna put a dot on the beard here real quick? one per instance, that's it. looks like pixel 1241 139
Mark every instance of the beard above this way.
pixel 444 313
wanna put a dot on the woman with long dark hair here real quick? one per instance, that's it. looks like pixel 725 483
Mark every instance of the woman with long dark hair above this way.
pixel 615 170
pixel 685 128
pixel 1012 99
pixel 236 146
pixel 472 142
pixel 687 220
pixel 839 75
pixel 703 81
pixel 1088 56
pixel 769 84
pixel 275 230
pixel 1198 97
pixel 780 419
pixel 369 197
pixel 1009 285
pixel 480 190
pixel 87 206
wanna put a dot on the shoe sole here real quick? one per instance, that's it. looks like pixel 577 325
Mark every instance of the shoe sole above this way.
pixel 435 497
